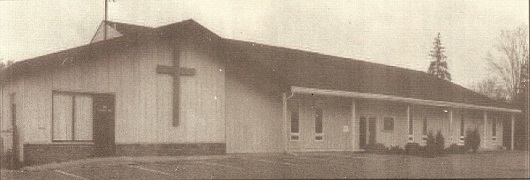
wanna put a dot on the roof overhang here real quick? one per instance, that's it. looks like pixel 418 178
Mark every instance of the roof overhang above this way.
pixel 327 92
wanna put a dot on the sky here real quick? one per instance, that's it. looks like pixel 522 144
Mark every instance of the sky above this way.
pixel 398 33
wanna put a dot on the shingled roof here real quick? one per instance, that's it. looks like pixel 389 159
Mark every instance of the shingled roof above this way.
pixel 293 67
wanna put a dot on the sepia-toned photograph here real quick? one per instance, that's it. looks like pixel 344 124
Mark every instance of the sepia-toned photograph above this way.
pixel 264 89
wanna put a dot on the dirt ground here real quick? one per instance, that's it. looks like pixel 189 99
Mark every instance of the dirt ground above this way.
pixel 324 165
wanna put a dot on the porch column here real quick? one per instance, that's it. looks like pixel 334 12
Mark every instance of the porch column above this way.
pixel 485 130
pixel 513 129
pixel 354 128
pixel 410 125
pixel 284 109
pixel 450 126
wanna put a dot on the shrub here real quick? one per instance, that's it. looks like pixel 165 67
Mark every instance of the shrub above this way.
pixel 455 149
pixel 430 146
pixel 439 142
pixel 377 147
pixel 472 140
pixel 396 150
pixel 413 148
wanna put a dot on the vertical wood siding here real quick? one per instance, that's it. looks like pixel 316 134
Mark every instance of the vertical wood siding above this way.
pixel 254 119
pixel 143 98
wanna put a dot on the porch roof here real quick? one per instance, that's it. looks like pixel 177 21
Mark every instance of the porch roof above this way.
pixel 327 92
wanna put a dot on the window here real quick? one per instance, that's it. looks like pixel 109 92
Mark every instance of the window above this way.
pixel 494 128
pixel 424 131
pixel 318 123
pixel 295 119
pixel 388 123
pixel 411 123
pixel 72 117
pixel 462 121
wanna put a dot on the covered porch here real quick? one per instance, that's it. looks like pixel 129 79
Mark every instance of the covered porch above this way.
pixel 332 120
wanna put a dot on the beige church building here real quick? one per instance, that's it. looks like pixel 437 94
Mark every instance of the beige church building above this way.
pixel 180 89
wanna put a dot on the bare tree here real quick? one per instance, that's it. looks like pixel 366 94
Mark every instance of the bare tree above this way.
pixel 491 87
pixel 4 65
pixel 510 59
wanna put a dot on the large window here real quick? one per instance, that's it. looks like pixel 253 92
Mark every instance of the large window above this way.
pixel 318 123
pixel 72 117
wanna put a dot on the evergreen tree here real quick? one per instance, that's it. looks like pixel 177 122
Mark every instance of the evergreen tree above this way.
pixel 438 66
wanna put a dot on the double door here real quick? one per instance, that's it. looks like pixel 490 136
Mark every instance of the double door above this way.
pixel 367 131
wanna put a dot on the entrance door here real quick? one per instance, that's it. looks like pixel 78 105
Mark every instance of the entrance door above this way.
pixel 372 130
pixel 367 122
pixel 104 125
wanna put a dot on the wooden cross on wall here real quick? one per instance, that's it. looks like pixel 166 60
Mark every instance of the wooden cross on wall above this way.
pixel 176 71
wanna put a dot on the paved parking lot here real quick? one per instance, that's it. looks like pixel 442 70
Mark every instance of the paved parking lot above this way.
pixel 280 166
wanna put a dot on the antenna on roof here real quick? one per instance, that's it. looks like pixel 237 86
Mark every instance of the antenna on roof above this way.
pixel 106 17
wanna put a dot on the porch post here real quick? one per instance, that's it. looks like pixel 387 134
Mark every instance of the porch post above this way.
pixel 284 109
pixel 354 129
pixel 513 129
pixel 485 129
pixel 409 125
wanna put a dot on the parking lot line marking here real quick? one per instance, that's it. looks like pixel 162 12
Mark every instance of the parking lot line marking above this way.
pixel 70 174
pixel 351 157
pixel 273 162
pixel 221 165
pixel 151 170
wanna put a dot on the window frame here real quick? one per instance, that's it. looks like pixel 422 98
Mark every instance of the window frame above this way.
pixel 294 136
pixel 424 130
pixel 462 128
pixel 494 129
pixel 73 95
pixel 319 136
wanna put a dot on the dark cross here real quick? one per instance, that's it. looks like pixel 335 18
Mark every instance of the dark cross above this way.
pixel 176 72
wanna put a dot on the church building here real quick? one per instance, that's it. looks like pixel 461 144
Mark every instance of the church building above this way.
pixel 180 89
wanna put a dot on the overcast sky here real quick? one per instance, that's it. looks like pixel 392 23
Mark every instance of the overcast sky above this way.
pixel 398 33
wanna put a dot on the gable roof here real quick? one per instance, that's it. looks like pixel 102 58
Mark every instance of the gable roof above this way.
pixel 117 29
pixel 294 67
pixel 313 70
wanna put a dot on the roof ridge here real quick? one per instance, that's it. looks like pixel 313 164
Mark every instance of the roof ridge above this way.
pixel 128 24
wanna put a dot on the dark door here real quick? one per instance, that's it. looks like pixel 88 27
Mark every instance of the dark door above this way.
pixel 372 130
pixel 104 125
pixel 362 132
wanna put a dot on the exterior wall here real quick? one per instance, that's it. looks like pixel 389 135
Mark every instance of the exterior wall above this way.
pixel 6 130
pixel 379 110
pixel 473 119
pixel 143 97
pixel 437 120
pixel 201 101
pixel 336 114
pixel 254 120
pixel 46 153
